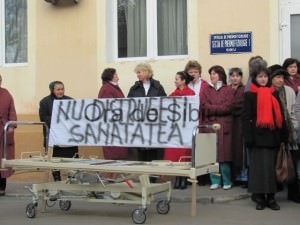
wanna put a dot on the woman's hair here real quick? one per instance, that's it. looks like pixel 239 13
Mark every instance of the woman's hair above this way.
pixel 255 62
pixel 220 71
pixel 108 74
pixel 259 70
pixel 185 76
pixel 53 83
pixel 144 67
pixel 193 64
pixel 290 61
pixel 236 70
pixel 254 58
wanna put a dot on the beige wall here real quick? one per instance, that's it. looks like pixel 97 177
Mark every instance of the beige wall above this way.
pixel 205 18
pixel 67 48
pixel 68 43
pixel 21 80
pixel 217 16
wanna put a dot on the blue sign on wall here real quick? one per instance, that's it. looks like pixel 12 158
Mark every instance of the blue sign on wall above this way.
pixel 228 43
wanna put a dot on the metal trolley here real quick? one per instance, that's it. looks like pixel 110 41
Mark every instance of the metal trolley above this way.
pixel 85 181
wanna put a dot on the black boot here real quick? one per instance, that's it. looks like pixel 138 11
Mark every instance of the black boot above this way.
pixel 56 175
pixel 177 183
pixel 271 202
pixel 294 192
pixel 2 186
pixel 183 183
pixel 260 201
pixel 203 180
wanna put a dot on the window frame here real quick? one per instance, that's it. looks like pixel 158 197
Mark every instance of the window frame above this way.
pixel 2 39
pixel 152 51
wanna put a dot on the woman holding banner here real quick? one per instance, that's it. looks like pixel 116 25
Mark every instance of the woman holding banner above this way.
pixel 57 91
pixel 177 154
pixel 146 86
pixel 111 89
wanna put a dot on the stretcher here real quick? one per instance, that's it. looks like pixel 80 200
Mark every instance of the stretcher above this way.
pixel 85 180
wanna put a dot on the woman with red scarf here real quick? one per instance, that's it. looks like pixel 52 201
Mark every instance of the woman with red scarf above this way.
pixel 262 127
pixel 174 154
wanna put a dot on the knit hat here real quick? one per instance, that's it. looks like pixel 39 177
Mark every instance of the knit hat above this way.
pixel 281 72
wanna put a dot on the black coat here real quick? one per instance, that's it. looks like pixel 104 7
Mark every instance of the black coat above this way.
pixel 155 90
pixel 45 110
pixel 256 136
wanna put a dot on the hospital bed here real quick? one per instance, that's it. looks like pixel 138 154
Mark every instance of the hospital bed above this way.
pixel 85 180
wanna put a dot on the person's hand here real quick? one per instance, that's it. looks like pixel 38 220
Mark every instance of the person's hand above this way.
pixel 298 88
pixel 10 130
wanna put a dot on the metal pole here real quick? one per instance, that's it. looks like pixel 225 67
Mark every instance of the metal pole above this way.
pixel 15 123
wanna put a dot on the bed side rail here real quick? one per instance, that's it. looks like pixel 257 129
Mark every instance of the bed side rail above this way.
pixel 16 123
pixel 214 127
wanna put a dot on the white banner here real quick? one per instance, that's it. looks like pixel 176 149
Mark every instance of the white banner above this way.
pixel 133 122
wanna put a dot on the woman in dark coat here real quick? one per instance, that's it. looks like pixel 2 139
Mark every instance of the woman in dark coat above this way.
pixel 174 154
pixel 111 89
pixel 57 91
pixel 238 154
pixel 262 123
pixel 7 113
pixel 146 86
pixel 216 108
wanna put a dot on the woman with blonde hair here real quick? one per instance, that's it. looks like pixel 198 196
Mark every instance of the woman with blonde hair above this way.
pixel 146 86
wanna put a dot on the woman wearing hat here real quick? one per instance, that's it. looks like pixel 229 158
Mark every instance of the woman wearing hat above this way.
pixel 262 123
pixel 216 104
pixel 289 105
pixel 57 91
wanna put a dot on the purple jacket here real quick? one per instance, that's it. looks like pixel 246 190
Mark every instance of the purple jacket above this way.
pixel 216 106
pixel 109 90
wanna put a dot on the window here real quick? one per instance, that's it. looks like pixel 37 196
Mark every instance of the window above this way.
pixel 151 28
pixel 13 30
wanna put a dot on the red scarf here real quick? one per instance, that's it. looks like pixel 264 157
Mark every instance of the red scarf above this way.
pixel 266 105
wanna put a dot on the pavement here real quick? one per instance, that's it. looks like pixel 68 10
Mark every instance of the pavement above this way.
pixel 15 189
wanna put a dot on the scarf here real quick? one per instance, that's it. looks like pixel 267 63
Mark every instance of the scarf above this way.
pixel 266 105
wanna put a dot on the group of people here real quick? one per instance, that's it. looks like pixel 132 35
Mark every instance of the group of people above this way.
pixel 255 120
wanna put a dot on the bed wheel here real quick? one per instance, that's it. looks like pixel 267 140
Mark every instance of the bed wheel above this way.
pixel 31 210
pixel 138 216
pixel 163 207
pixel 65 205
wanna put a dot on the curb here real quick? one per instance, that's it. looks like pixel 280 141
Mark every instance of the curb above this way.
pixel 202 200
pixel 211 199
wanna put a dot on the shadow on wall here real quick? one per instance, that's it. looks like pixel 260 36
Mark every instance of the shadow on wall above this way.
pixel 63 2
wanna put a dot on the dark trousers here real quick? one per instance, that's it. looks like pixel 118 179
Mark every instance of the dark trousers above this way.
pixel 2 183
pixel 64 152
pixel 150 154
pixel 293 187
